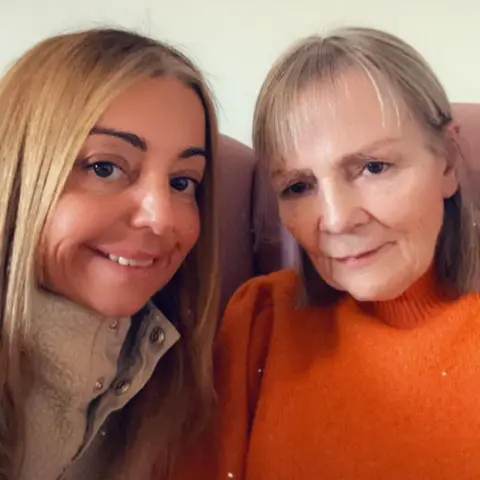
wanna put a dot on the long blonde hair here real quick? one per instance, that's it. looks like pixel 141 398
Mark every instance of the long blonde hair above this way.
pixel 50 99
pixel 389 62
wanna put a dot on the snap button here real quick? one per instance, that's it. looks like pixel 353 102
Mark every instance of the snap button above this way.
pixel 122 387
pixel 114 325
pixel 99 384
pixel 157 336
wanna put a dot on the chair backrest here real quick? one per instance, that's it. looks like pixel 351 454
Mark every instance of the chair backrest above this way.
pixel 236 164
pixel 273 245
pixel 468 116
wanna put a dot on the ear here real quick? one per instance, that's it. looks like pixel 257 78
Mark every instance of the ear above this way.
pixel 450 181
pixel 450 178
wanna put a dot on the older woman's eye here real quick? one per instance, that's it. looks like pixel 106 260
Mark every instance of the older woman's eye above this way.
pixel 375 168
pixel 106 170
pixel 297 188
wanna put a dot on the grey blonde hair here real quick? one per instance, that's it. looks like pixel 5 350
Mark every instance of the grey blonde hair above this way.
pixel 389 62
pixel 50 100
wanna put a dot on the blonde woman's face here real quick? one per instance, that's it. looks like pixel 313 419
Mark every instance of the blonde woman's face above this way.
pixel 128 216
pixel 363 194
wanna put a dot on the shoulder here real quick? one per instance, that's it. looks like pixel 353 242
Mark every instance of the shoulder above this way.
pixel 251 310
pixel 245 335
pixel 262 292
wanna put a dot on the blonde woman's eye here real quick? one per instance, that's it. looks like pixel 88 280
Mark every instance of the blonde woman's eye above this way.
pixel 184 184
pixel 107 170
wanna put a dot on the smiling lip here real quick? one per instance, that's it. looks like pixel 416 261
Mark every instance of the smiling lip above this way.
pixel 136 259
pixel 360 259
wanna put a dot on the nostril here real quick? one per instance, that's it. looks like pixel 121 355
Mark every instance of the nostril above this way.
pixel 155 212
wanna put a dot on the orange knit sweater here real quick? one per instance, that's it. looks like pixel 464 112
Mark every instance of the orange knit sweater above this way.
pixel 387 391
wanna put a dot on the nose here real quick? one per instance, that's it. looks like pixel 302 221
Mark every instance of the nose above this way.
pixel 342 209
pixel 153 208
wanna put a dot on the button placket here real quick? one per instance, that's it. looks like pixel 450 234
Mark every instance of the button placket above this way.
pixel 106 380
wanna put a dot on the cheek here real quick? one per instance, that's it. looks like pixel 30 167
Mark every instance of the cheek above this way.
pixel 300 218
pixel 75 221
pixel 78 218
pixel 187 224
pixel 415 210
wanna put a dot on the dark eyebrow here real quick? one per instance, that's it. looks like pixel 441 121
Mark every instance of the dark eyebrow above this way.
pixel 369 148
pixel 193 152
pixel 141 144
pixel 289 175
pixel 131 138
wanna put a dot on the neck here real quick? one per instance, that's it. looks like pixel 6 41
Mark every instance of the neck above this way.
pixel 416 306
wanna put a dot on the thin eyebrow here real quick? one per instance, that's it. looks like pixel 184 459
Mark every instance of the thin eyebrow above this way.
pixel 128 137
pixel 141 143
pixel 194 152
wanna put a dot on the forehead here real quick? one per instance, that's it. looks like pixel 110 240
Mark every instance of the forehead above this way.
pixel 330 121
pixel 160 110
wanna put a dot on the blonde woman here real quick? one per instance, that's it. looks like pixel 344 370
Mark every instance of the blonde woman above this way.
pixel 108 288
pixel 365 365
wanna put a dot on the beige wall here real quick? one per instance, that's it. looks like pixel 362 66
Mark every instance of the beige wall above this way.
pixel 235 41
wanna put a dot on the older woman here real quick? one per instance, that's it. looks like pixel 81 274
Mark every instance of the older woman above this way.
pixel 365 364
pixel 108 288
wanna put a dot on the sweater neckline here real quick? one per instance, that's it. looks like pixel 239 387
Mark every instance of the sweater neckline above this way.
pixel 415 307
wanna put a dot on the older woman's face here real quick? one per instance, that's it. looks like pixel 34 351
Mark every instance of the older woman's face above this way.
pixel 128 216
pixel 363 194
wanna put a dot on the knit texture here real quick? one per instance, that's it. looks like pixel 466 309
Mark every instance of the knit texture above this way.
pixel 360 391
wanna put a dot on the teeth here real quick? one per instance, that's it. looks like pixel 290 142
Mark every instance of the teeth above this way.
pixel 130 263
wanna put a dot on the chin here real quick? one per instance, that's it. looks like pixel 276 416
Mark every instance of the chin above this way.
pixel 376 293
pixel 117 307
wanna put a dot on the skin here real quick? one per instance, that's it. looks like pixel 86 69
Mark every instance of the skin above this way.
pixel 363 192
pixel 131 193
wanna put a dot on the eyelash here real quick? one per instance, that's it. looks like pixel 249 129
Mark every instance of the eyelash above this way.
pixel 93 165
pixel 172 180
pixel 385 166
pixel 196 183
pixel 306 186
